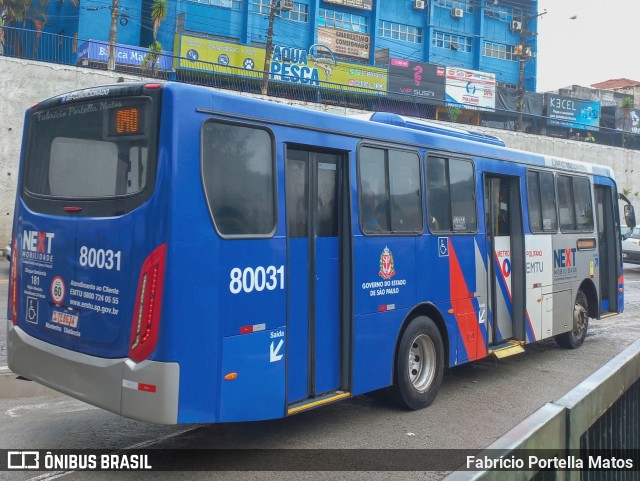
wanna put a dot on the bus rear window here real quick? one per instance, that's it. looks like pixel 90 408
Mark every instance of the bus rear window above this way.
pixel 89 150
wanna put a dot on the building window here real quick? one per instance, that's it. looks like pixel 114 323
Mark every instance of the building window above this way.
pixel 450 41
pixel 498 50
pixel 342 21
pixel 502 13
pixel 398 31
pixel 262 7
pixel 300 12
pixel 466 7
pixel 232 4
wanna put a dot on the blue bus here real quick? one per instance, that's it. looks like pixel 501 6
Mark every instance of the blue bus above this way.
pixel 185 255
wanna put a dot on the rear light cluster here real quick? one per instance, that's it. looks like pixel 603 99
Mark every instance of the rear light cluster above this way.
pixel 13 289
pixel 146 315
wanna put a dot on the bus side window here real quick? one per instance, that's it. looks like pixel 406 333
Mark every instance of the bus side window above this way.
pixel 438 198
pixel 374 200
pixel 238 171
pixel 541 195
pixel 583 204
pixel 533 196
pixel 463 198
pixel 565 204
pixel 390 191
pixel 574 201
pixel 406 201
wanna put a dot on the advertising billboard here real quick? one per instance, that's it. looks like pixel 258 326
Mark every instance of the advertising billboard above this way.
pixel 423 80
pixel 471 88
pixel 343 42
pixel 572 113
pixel 288 64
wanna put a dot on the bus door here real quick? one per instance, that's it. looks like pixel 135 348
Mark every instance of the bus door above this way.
pixel 505 241
pixel 607 259
pixel 315 339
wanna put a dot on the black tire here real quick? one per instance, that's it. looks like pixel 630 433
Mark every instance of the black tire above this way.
pixel 419 365
pixel 574 338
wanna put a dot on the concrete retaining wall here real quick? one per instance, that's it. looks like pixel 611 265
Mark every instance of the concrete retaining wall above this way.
pixel 24 83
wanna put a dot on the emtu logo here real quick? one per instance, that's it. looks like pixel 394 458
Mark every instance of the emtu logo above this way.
pixel 40 242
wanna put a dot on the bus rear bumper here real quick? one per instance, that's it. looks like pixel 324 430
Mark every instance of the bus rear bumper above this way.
pixel 147 391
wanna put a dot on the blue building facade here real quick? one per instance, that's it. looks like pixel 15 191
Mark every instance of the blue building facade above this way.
pixel 492 36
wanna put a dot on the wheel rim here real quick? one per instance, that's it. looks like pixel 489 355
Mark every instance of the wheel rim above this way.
pixel 580 320
pixel 422 362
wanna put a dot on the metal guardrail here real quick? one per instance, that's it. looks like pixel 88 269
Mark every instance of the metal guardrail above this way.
pixel 52 48
pixel 601 414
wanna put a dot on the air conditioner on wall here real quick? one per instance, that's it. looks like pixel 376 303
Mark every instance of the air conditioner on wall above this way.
pixel 418 4
pixel 457 12
pixel 286 4
pixel 516 26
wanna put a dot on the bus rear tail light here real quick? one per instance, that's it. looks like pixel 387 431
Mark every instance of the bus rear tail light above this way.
pixel 146 315
pixel 13 288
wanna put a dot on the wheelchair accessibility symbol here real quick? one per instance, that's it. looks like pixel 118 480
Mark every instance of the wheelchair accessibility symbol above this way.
pixel 443 247
pixel 32 310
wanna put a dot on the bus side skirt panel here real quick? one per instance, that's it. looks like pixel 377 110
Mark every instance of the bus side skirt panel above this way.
pixel 253 376
pixel 373 353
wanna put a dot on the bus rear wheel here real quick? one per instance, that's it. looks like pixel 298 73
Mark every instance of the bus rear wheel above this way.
pixel 574 338
pixel 419 365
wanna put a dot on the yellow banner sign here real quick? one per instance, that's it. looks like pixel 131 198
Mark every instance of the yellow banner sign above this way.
pixel 288 64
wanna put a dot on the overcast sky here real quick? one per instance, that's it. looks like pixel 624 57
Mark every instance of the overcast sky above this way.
pixel 602 43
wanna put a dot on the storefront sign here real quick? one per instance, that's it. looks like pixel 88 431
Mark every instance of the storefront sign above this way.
pixel 573 113
pixel 343 42
pixel 127 55
pixel 313 67
pixel 423 80
pixel 472 88
pixel 363 4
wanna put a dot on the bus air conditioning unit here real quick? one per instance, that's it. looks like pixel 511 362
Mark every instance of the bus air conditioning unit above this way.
pixel 516 26
pixel 418 4
pixel 457 12
pixel 286 4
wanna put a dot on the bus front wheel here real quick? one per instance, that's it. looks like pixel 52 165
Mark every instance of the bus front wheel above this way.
pixel 419 365
pixel 574 338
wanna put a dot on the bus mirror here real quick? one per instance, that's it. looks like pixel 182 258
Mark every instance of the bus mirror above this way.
pixel 629 216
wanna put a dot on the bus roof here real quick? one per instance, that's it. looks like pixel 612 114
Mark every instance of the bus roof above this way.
pixel 430 126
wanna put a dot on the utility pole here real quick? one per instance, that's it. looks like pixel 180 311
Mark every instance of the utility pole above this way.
pixel 268 48
pixel 521 64
pixel 113 33
pixel 525 53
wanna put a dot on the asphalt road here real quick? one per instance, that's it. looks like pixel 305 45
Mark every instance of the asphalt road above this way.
pixel 477 404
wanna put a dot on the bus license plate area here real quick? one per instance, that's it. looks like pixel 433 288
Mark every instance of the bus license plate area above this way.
pixel 65 318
